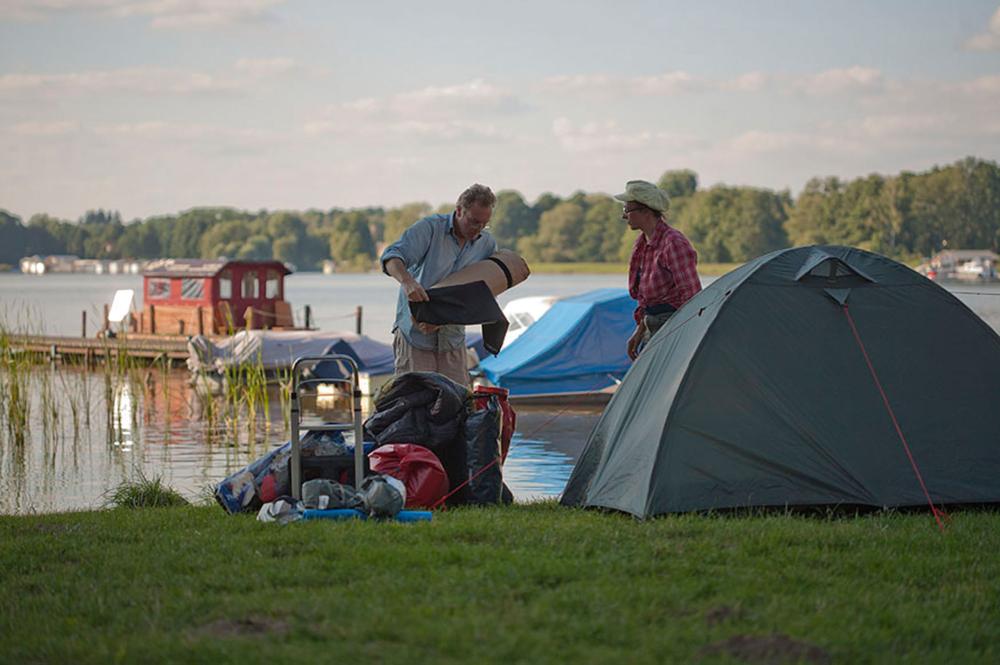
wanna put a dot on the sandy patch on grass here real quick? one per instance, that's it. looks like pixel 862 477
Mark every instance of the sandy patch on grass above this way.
pixel 769 649
pixel 247 626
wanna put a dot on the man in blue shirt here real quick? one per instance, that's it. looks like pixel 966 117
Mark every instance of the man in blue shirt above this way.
pixel 427 252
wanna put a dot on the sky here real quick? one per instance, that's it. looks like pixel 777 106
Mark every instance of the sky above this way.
pixel 152 107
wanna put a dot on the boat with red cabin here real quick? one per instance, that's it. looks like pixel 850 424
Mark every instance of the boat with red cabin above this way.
pixel 214 297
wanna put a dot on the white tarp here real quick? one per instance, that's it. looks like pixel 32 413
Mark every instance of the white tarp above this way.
pixel 278 349
pixel 121 305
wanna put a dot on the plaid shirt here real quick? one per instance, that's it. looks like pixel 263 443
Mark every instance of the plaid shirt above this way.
pixel 662 270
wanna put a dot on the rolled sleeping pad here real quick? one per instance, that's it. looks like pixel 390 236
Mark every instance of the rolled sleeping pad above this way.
pixel 354 514
pixel 500 272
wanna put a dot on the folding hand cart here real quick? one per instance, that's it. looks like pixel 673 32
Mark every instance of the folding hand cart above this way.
pixel 297 384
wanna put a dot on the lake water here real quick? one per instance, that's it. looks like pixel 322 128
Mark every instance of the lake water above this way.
pixel 152 423
pixel 57 300
pixel 89 431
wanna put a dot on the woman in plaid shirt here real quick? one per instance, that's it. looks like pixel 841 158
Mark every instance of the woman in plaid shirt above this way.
pixel 662 273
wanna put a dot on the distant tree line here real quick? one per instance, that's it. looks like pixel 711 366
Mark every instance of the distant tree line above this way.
pixel 905 216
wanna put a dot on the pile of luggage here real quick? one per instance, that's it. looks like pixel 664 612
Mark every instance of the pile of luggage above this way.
pixel 429 442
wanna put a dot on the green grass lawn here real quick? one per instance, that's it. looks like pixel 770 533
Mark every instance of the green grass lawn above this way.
pixel 532 583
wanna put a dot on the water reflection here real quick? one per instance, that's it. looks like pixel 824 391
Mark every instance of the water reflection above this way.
pixel 534 471
pixel 151 420
pixel 153 423
pixel 124 408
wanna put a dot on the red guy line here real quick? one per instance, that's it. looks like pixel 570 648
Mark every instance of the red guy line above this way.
pixel 885 400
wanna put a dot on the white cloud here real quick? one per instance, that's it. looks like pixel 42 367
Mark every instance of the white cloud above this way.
pixel 162 13
pixel 749 82
pixel 984 85
pixel 960 122
pixel 593 136
pixel 29 10
pixel 903 124
pixel 320 127
pixel 364 105
pixel 855 79
pixel 44 129
pixel 476 93
pixel 668 83
pixel 762 142
pixel 607 86
pixel 162 138
pixel 608 136
pixel 449 131
pixel 263 67
pixel 243 78
pixel 424 131
pixel 145 80
pixel 436 114
pixel 989 40
pixel 160 131
pixel 581 82
pixel 841 81
pixel 146 129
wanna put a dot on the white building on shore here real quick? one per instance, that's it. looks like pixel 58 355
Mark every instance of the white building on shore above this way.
pixel 69 263
pixel 963 264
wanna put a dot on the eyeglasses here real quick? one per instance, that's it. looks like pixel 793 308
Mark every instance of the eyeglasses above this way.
pixel 468 216
pixel 626 210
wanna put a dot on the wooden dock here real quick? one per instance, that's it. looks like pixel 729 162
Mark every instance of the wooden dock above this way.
pixel 147 347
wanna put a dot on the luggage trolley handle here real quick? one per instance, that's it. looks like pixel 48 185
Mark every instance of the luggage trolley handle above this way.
pixel 295 419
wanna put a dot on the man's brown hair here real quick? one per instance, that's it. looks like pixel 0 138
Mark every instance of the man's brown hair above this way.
pixel 477 194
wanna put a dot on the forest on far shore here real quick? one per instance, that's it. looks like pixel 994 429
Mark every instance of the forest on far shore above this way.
pixel 905 216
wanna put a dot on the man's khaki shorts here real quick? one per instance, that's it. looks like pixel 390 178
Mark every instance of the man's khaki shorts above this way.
pixel 411 359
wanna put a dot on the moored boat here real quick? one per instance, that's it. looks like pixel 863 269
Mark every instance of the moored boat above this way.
pixel 214 297
pixel 574 354
pixel 213 361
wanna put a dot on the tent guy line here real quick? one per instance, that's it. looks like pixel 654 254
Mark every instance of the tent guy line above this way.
pixel 524 437
pixel 888 407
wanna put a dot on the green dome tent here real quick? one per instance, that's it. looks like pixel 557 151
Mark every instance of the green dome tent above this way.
pixel 810 376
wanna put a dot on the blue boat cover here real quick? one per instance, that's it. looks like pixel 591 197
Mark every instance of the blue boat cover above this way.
pixel 474 341
pixel 577 346
pixel 372 356
pixel 276 350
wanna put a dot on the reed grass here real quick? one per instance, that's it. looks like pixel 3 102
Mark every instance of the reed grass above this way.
pixel 207 406
pixel 254 396
pixel 143 492
pixel 73 400
pixel 16 368
pixel 49 406
pixel 284 379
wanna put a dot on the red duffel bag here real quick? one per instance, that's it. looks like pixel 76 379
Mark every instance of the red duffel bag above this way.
pixel 417 467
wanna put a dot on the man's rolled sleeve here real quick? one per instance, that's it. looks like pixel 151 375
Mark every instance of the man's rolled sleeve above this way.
pixel 411 246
